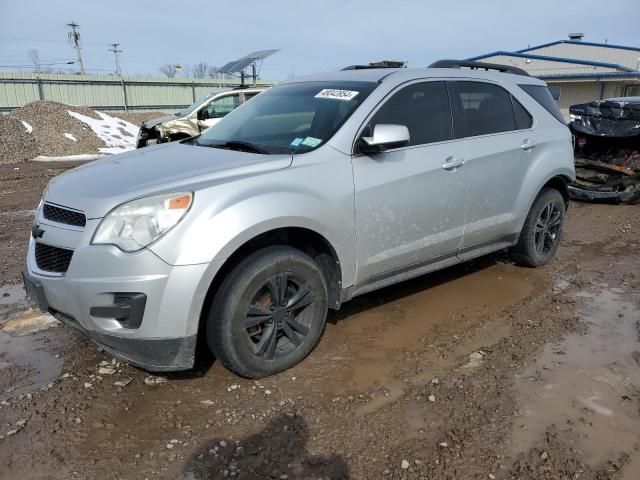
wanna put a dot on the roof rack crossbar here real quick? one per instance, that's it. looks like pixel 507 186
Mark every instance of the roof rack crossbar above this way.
pixel 478 66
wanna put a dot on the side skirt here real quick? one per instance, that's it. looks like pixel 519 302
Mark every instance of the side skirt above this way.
pixel 428 266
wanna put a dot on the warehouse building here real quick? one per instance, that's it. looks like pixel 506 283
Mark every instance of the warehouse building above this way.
pixel 577 71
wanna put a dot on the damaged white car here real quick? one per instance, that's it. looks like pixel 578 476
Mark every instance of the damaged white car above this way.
pixel 196 118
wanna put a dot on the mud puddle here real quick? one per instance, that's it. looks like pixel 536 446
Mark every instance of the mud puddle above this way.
pixel 26 364
pixel 10 294
pixel 13 301
pixel 450 303
pixel 588 385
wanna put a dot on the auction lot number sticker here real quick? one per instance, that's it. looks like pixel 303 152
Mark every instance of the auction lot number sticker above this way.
pixel 337 94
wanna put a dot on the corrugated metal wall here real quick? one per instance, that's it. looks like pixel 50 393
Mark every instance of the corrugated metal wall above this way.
pixel 106 92
pixel 572 93
pixel 620 56
pixel 537 67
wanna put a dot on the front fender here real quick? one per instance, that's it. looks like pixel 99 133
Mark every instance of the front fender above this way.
pixel 212 235
pixel 185 126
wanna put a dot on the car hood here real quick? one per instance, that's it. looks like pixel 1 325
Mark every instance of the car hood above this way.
pixel 157 121
pixel 99 186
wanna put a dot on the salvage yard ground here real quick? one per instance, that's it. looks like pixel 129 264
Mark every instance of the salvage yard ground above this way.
pixel 485 370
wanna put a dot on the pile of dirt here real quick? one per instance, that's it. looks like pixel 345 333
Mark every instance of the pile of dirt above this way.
pixel 54 129
pixel 16 144
pixel 138 117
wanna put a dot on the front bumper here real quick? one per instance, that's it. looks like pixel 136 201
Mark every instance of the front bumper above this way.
pixel 163 339
pixel 153 354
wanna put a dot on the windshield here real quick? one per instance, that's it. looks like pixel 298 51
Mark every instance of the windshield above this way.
pixel 289 118
pixel 186 111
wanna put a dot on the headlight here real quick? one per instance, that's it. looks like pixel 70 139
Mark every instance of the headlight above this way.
pixel 134 225
pixel 573 116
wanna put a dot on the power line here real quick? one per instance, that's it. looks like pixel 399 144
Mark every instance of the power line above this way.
pixel 74 37
pixel 116 53
pixel 38 65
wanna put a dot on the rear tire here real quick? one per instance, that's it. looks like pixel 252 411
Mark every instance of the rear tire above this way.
pixel 540 235
pixel 269 312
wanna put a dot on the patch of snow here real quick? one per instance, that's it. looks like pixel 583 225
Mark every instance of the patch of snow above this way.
pixel 28 128
pixel 30 321
pixel 112 131
pixel 68 158
pixel 71 137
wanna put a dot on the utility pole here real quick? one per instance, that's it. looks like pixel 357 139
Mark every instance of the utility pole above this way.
pixel 74 38
pixel 117 53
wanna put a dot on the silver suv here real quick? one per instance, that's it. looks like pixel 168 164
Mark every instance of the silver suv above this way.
pixel 318 190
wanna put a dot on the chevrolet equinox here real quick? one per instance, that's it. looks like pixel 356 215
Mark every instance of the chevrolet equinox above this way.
pixel 320 189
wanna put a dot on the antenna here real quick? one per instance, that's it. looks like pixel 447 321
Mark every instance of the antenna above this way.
pixel 117 53
pixel 74 38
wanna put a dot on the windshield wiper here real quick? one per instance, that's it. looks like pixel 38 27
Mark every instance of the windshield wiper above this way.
pixel 241 146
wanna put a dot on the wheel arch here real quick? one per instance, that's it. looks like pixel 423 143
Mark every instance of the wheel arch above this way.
pixel 560 183
pixel 305 239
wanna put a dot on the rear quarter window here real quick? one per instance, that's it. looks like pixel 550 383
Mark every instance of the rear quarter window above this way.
pixel 524 119
pixel 542 95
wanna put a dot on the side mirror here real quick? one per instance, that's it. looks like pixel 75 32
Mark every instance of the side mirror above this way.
pixel 385 136
pixel 202 114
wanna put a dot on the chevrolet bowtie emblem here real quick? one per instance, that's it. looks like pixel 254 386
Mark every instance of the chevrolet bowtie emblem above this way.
pixel 36 231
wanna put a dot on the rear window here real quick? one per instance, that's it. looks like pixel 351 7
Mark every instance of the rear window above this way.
pixel 541 94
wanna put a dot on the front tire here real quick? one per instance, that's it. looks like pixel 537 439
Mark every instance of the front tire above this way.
pixel 269 312
pixel 540 235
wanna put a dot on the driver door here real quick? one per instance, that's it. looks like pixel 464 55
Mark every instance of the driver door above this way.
pixel 410 202
pixel 216 110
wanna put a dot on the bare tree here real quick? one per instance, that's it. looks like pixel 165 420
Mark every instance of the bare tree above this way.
pixel 200 70
pixel 35 59
pixel 169 69
pixel 213 72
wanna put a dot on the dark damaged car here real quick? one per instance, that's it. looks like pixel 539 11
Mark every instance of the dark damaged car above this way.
pixel 607 150
pixel 612 119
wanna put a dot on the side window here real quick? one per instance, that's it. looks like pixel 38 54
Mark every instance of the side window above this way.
pixel 249 96
pixel 542 95
pixel 424 108
pixel 486 107
pixel 524 119
pixel 222 106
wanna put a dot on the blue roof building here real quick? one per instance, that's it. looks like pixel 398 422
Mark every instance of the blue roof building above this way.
pixel 577 71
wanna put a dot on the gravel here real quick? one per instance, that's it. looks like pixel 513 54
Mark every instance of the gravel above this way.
pixel 50 122
pixel 137 117
pixel 16 145
pixel 55 133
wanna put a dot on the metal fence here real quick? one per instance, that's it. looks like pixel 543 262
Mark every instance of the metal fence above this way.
pixel 104 92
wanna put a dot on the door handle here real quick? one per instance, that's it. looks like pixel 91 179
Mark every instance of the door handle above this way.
pixel 527 145
pixel 452 163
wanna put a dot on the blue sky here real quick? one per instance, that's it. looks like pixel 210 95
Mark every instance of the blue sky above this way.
pixel 312 36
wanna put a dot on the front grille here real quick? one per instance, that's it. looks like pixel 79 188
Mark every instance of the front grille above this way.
pixel 52 259
pixel 64 215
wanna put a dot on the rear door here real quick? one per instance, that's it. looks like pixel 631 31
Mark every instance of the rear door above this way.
pixel 499 141
pixel 410 201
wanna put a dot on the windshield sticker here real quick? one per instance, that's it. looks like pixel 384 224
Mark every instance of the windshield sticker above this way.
pixel 296 141
pixel 311 141
pixel 337 94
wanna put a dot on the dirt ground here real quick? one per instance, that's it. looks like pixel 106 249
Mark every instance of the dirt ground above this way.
pixel 482 371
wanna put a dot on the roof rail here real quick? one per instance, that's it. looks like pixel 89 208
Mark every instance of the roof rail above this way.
pixel 380 64
pixel 478 66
